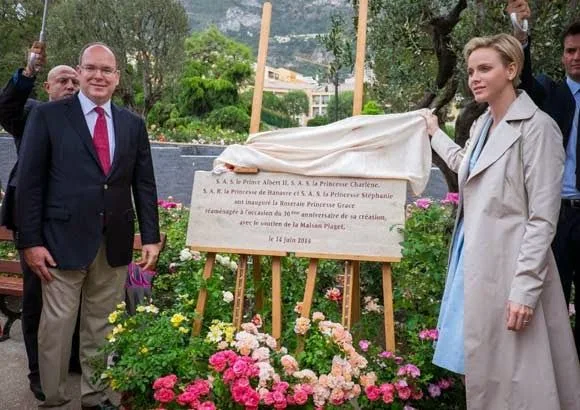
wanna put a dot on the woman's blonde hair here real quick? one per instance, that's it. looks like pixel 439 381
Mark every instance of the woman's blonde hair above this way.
pixel 508 47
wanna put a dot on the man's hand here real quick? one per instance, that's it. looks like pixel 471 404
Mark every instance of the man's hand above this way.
pixel 518 316
pixel 522 10
pixel 39 260
pixel 149 255
pixel 36 59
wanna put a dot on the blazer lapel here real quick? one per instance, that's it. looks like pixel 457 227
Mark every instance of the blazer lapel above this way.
pixel 464 168
pixel 77 119
pixel 504 135
pixel 120 138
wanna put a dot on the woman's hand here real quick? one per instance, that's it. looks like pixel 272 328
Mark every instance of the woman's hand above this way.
pixel 432 122
pixel 518 316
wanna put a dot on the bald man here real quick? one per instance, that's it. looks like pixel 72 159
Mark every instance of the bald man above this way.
pixel 15 104
pixel 85 176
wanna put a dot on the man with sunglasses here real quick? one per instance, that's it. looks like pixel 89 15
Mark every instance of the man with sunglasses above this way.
pixel 15 105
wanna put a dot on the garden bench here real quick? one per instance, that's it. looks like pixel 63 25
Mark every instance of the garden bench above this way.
pixel 11 283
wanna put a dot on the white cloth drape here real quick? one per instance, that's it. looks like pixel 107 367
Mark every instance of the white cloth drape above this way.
pixel 393 146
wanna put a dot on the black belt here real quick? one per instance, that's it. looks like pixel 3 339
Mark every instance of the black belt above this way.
pixel 571 203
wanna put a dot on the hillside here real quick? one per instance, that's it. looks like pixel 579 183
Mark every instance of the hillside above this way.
pixel 295 24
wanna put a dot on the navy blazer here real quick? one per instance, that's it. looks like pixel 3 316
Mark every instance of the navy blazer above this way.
pixel 64 200
pixel 553 97
pixel 14 108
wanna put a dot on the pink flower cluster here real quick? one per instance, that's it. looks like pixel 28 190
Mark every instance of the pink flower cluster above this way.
pixel 388 392
pixel 191 397
pixel 429 334
pixel 436 388
pixel 423 203
pixel 451 198
pixel 167 204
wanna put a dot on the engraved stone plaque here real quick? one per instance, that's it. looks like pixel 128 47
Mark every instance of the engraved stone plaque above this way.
pixel 279 212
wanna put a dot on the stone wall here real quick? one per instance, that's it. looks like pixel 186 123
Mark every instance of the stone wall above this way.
pixel 175 165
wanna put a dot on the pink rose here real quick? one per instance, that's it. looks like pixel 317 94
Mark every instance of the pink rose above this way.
pixel 207 405
pixel 300 397
pixel 218 361
pixel 417 394
pixel 423 203
pixel 388 397
pixel 386 355
pixel 240 368
pixel 186 398
pixel 373 392
pixel 404 393
pixel 451 198
pixel 166 382
pixel 164 395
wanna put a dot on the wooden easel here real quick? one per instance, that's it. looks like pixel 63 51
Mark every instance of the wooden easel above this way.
pixel 351 291
pixel 240 288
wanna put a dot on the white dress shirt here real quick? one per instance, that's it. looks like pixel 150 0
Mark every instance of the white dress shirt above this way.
pixel 91 116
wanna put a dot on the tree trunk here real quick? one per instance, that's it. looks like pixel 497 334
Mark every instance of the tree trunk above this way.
pixel 441 28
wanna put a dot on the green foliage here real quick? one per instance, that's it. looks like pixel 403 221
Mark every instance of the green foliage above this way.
pixel 146 35
pixel 20 21
pixel 318 120
pixel 401 45
pixel 420 276
pixel 345 101
pixel 232 118
pixel 161 112
pixel 201 95
pixel 277 119
pixel 296 103
pixel 195 131
pixel 372 108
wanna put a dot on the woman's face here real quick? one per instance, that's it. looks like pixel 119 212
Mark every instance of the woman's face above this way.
pixel 489 78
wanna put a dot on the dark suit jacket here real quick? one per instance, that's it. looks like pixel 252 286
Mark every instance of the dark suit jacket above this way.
pixel 14 108
pixel 64 200
pixel 553 97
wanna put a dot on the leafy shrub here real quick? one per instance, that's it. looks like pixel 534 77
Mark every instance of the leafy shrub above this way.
pixel 231 117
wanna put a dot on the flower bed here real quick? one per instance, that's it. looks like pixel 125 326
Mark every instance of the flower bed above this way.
pixel 317 364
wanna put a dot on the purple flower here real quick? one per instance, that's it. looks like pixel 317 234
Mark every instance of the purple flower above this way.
pixel 364 345
pixel 386 355
pixel 434 390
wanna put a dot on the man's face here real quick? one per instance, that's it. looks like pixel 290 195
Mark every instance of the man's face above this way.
pixel 571 56
pixel 98 74
pixel 62 82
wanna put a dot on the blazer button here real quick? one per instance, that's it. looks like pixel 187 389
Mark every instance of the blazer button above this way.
pixel 106 186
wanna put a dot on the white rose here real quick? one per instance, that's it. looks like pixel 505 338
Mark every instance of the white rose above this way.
pixel 228 297
pixel 185 255
pixel 233 266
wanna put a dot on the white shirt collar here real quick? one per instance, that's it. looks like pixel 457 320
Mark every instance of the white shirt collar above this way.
pixel 87 105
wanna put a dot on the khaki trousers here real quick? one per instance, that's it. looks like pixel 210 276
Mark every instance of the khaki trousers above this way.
pixel 102 288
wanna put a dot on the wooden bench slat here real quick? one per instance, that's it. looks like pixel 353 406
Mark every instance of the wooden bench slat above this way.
pixel 12 267
pixel 11 286
pixel 5 234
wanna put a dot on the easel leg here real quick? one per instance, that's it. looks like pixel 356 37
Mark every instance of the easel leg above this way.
pixel 202 297
pixel 309 291
pixel 276 297
pixel 388 307
pixel 258 288
pixel 355 307
pixel 240 290
pixel 347 294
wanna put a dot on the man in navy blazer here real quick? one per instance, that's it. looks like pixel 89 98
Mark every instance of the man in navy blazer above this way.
pixel 561 100
pixel 15 105
pixel 84 162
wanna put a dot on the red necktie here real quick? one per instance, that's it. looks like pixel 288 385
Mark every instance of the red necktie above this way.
pixel 101 140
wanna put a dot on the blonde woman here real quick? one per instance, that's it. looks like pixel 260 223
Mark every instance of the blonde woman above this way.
pixel 503 321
